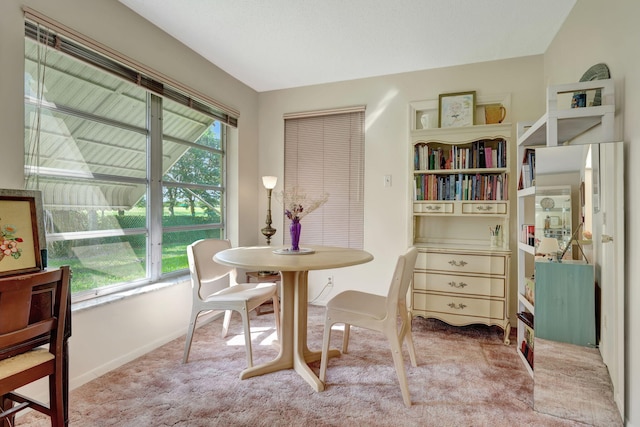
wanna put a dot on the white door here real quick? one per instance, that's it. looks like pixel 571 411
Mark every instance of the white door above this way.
pixel 609 253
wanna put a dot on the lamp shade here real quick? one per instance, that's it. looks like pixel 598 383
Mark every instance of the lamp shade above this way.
pixel 548 245
pixel 269 182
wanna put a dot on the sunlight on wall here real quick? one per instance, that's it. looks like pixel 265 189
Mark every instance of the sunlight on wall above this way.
pixel 379 109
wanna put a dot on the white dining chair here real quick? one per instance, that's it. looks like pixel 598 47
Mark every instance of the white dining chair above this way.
pixel 387 314
pixel 240 297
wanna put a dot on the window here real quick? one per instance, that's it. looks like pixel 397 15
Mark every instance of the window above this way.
pixel 324 153
pixel 130 173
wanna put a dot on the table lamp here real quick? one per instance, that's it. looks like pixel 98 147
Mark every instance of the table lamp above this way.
pixel 269 183
pixel 549 248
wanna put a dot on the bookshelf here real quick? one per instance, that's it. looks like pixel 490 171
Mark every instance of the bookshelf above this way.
pixel 559 125
pixel 460 217
pixel 526 252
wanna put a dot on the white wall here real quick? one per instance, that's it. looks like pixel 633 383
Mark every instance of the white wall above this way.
pixel 608 32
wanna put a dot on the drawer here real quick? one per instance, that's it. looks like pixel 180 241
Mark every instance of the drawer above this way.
pixel 463 285
pixel 462 263
pixel 433 208
pixel 484 208
pixel 483 308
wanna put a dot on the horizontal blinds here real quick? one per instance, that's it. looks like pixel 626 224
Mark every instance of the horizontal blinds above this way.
pixel 90 51
pixel 320 113
pixel 325 154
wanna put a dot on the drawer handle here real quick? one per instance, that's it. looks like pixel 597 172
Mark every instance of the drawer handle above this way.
pixel 433 208
pixel 455 263
pixel 457 285
pixel 484 208
pixel 457 307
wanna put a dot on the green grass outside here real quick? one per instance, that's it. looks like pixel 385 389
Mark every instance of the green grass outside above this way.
pixel 108 268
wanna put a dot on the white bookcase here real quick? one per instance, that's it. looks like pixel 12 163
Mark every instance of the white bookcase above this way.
pixel 462 273
pixel 556 127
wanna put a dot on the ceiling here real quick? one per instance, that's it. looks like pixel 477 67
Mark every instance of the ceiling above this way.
pixel 279 44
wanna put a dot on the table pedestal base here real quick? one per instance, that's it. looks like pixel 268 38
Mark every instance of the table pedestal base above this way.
pixel 294 352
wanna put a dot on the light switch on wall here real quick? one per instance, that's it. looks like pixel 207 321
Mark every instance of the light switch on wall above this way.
pixel 387 180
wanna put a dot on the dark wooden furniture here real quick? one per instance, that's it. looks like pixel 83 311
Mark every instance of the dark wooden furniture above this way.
pixel 35 311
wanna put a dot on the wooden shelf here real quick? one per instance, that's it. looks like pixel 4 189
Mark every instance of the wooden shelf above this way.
pixel 527 304
pixel 558 126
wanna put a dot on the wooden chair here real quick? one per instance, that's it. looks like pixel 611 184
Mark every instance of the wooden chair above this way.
pixel 241 297
pixel 378 313
pixel 32 306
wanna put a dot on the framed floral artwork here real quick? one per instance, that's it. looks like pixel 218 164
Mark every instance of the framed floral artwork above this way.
pixel 457 109
pixel 20 232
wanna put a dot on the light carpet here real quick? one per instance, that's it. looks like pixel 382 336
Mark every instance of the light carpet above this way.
pixel 466 376
pixel 579 376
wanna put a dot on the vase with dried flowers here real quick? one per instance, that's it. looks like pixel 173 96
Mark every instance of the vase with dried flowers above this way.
pixel 297 205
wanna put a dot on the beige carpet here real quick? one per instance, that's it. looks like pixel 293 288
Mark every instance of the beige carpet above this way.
pixel 465 376
pixel 578 375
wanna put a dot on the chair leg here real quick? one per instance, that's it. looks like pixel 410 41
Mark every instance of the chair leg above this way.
pixel 276 314
pixel 396 352
pixel 190 330
pixel 226 322
pixel 405 334
pixel 5 405
pixel 345 338
pixel 56 402
pixel 325 350
pixel 247 335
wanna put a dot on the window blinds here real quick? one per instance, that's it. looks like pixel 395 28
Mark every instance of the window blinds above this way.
pixel 72 43
pixel 324 152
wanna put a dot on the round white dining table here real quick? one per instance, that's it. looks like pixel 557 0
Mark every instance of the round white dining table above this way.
pixel 294 268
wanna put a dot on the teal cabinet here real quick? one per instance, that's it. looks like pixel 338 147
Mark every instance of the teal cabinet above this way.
pixel 565 302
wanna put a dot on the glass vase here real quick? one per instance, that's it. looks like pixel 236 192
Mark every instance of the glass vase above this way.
pixel 294 230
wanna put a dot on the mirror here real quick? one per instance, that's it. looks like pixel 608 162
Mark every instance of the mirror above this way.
pixel 553 215
pixel 579 295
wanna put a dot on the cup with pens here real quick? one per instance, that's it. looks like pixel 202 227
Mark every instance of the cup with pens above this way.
pixel 495 236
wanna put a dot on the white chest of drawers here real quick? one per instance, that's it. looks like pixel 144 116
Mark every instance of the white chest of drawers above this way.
pixel 462 287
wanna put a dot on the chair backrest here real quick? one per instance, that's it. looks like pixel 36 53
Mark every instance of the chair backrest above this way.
pixel 407 277
pixel 402 277
pixel 203 268
pixel 33 310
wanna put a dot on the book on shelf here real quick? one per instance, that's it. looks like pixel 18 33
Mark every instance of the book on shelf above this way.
pixel 482 161
pixel 528 169
pixel 527 318
pixel 528 234
pixel 461 186
pixel 526 347
pixel 530 289
pixel 527 352
pixel 482 154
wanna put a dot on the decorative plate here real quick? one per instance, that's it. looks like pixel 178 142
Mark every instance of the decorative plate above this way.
pixel 547 203
pixel 596 72
pixel 287 251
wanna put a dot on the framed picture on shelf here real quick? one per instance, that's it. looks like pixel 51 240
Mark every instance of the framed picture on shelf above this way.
pixel 20 233
pixel 457 109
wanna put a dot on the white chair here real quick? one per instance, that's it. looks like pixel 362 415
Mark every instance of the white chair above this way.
pixel 241 297
pixel 378 313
